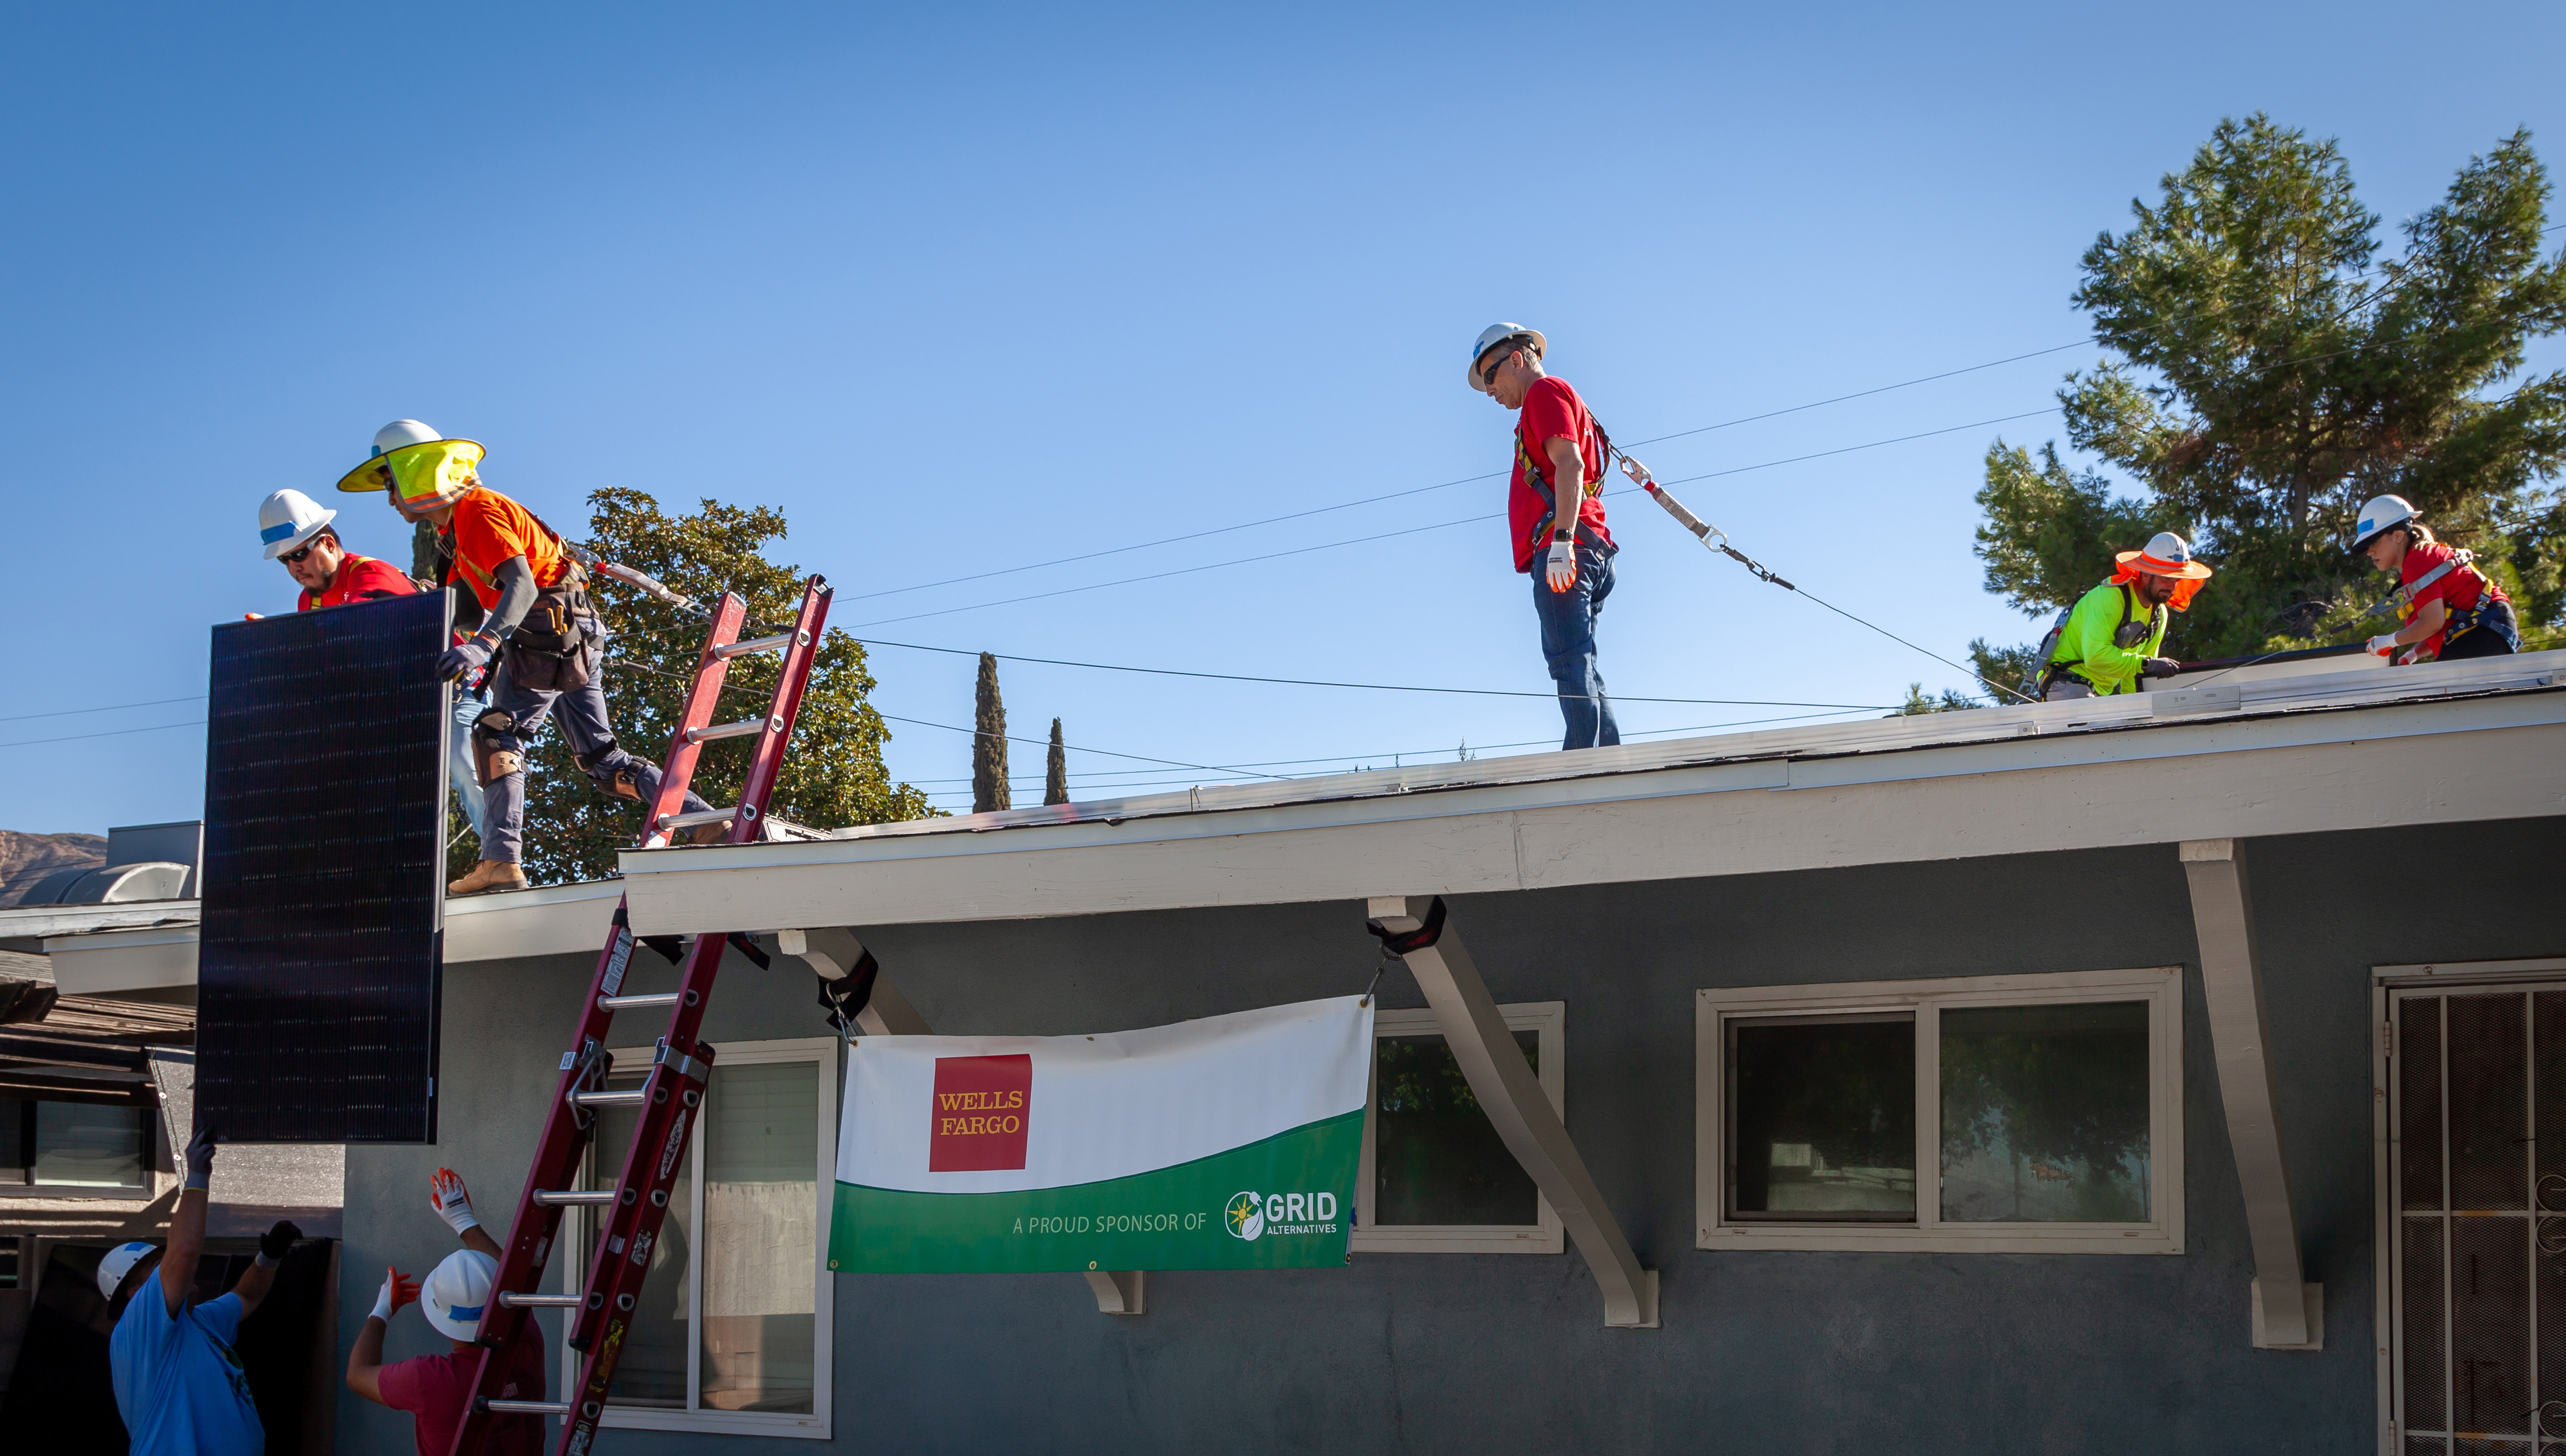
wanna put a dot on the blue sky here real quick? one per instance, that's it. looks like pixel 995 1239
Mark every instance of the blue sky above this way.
pixel 960 290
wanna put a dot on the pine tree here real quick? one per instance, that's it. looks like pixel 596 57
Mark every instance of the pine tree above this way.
pixel 988 742
pixel 1056 768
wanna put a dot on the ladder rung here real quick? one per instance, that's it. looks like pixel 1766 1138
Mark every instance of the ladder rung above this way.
pixel 741 729
pixel 526 1408
pixel 589 1198
pixel 629 1099
pixel 701 816
pixel 756 644
pixel 510 1298
pixel 627 1003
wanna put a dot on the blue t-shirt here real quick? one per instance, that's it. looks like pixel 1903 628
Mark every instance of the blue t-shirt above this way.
pixel 178 1385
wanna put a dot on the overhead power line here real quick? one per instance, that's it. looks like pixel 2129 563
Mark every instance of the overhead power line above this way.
pixel 109 733
pixel 109 708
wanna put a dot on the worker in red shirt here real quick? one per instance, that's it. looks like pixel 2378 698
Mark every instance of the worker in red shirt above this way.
pixel 1557 445
pixel 453 1297
pixel 298 532
pixel 2450 609
pixel 537 625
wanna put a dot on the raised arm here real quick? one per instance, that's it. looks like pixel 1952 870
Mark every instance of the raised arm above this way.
pixel 453 1203
pixel 366 1358
pixel 187 1225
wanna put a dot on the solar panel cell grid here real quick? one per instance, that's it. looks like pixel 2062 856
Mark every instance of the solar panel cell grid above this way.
pixel 324 859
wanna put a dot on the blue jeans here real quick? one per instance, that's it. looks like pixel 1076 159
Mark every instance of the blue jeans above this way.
pixel 581 711
pixel 1568 647
pixel 458 754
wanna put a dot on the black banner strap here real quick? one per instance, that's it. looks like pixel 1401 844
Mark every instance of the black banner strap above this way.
pixel 671 948
pixel 1395 942
pixel 848 996
pixel 747 947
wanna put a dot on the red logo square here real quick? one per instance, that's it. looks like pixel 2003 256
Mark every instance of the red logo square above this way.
pixel 983 1107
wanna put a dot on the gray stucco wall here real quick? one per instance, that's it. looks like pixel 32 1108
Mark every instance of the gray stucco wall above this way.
pixel 1768 1351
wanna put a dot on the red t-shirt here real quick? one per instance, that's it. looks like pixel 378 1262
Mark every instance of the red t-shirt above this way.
pixel 488 528
pixel 2457 592
pixel 1552 410
pixel 433 1388
pixel 360 579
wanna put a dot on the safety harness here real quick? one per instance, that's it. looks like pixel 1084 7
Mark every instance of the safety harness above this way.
pixel 1540 483
pixel 2128 635
pixel 2459 621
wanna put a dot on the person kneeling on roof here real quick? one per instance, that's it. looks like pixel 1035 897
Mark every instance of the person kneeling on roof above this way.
pixel 433 1387
pixel 537 623
pixel 2450 609
pixel 2110 638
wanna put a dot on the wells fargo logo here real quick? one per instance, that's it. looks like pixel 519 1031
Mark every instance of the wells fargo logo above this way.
pixel 983 1108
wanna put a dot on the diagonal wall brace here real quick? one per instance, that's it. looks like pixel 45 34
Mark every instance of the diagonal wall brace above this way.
pixel 2288 1313
pixel 1512 1096
pixel 838 957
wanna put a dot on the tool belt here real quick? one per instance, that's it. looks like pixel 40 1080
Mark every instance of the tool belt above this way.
pixel 554 649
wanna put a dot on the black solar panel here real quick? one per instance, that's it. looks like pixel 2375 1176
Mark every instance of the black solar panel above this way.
pixel 324 907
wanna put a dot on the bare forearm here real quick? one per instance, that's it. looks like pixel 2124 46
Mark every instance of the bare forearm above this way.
pixel 366 1360
pixel 186 1244
pixel 2428 620
pixel 254 1284
pixel 1567 485
pixel 477 1239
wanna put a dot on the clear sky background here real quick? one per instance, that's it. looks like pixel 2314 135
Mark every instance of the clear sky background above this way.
pixel 965 289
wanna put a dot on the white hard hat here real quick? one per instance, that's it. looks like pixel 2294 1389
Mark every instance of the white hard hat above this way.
pixel 288 518
pixel 402 432
pixel 120 1262
pixel 2381 513
pixel 458 1291
pixel 1496 334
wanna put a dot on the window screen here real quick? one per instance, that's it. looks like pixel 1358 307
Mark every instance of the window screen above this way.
pixel 1823 1117
pixel 761 1134
pixel 1437 1160
pixel 2045 1113
pixel 81 1145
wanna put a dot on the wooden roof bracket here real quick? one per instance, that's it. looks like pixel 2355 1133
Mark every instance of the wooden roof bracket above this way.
pixel 2288 1312
pixel 1512 1096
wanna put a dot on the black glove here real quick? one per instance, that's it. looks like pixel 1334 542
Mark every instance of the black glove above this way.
pixel 2158 666
pixel 272 1245
pixel 462 658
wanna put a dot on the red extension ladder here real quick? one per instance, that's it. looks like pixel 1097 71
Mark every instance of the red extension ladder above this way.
pixel 632 1207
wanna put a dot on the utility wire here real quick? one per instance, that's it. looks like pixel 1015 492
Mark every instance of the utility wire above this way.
pixel 109 708
pixel 1175 763
pixel 1485 692
pixel 109 733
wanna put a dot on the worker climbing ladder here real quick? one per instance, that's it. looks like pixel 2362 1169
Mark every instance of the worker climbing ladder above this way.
pixel 632 1208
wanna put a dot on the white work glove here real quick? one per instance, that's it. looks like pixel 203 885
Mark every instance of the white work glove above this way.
pixel 452 1202
pixel 398 1290
pixel 1560 568
pixel 2384 645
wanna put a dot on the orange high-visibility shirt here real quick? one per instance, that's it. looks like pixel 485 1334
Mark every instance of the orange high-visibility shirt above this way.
pixel 487 529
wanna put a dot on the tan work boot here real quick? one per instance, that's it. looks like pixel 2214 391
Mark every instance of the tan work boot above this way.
pixel 488 876
pixel 708 834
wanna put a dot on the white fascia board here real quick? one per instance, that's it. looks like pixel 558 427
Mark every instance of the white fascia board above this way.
pixel 2209 776
pixel 38 921
pixel 557 919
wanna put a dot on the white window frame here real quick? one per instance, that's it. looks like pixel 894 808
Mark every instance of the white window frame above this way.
pixel 821 1052
pixel 1548 1020
pixel 2160 986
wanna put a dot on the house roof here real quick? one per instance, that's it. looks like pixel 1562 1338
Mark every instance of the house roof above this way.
pixel 2314 751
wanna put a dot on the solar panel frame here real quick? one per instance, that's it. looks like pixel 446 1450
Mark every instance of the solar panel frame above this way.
pixel 320 952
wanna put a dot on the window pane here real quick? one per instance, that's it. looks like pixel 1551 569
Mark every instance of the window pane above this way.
pixel 653 1370
pixel 83 1146
pixel 762 1225
pixel 2045 1113
pixel 13 1140
pixel 1823 1117
pixel 1435 1157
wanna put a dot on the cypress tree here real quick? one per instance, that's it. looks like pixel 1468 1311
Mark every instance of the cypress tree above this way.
pixel 988 742
pixel 1056 768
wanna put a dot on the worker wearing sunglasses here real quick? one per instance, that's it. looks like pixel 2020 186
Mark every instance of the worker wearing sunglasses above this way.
pixel 296 531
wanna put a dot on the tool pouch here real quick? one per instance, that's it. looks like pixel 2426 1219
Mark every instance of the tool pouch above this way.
pixel 555 649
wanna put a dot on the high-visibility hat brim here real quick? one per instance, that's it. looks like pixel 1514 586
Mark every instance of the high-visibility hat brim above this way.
pixel 374 475
pixel 1540 348
pixel 2139 561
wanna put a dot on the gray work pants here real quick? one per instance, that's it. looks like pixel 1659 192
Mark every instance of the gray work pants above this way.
pixel 582 713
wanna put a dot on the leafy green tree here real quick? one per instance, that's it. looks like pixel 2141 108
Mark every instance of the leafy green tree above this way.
pixel 1948 700
pixel 832 773
pixel 2274 372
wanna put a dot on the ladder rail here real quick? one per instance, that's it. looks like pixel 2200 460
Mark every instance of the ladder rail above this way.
pixel 677 1079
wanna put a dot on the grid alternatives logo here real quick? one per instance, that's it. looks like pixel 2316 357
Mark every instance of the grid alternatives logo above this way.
pixel 1245 1216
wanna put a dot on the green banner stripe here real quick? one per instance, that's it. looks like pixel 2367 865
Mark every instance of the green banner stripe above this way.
pixel 1188 1216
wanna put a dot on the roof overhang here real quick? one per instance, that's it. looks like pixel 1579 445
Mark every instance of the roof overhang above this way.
pixel 2364 749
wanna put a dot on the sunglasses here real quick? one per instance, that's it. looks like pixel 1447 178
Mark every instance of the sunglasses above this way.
pixel 295 557
pixel 1496 361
